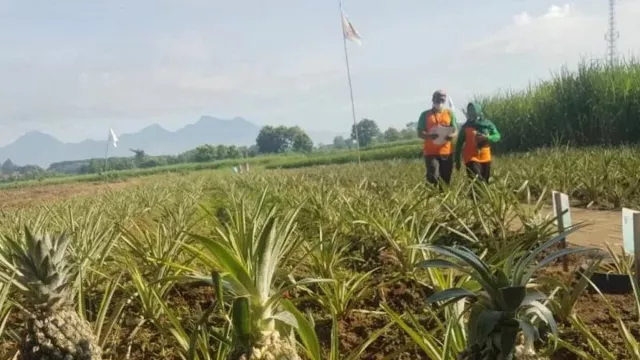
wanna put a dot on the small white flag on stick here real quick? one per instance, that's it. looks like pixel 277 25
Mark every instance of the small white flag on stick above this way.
pixel 349 31
pixel 113 138
pixel 451 106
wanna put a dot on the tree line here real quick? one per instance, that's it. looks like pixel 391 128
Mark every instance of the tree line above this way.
pixel 12 172
pixel 270 140
pixel 282 139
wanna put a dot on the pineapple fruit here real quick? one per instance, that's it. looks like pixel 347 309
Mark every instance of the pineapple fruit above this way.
pixel 257 340
pixel 271 347
pixel 54 330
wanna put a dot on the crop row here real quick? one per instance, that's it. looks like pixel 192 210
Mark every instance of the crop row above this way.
pixel 358 262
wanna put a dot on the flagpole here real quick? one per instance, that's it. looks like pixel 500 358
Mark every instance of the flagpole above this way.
pixel 106 153
pixel 346 59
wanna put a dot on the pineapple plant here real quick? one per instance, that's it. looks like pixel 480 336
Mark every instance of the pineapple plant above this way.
pixel 54 330
pixel 504 306
pixel 247 254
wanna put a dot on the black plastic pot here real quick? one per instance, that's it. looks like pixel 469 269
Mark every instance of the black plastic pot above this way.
pixel 610 283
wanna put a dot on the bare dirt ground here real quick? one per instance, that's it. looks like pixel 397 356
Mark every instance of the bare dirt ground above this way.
pixel 28 196
pixel 602 226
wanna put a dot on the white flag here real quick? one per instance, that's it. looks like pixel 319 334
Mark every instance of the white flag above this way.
pixel 451 106
pixel 349 31
pixel 113 138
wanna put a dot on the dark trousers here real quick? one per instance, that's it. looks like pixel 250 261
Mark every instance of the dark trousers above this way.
pixel 439 168
pixel 480 170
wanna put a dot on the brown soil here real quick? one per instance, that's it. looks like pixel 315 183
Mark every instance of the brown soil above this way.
pixel 356 327
pixel 29 196
pixel 593 310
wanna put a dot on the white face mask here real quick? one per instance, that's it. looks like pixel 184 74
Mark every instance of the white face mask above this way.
pixel 438 106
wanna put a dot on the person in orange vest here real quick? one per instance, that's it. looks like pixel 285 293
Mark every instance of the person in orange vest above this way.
pixel 474 143
pixel 438 152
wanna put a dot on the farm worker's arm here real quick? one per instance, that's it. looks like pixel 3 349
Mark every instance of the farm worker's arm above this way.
pixel 422 125
pixel 458 152
pixel 494 134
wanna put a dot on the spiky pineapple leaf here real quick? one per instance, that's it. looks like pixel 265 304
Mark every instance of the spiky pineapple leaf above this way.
pixel 513 296
pixel 536 307
pixel 279 294
pixel 501 278
pixel 452 294
pixel 61 245
pixel 5 308
pixel 480 273
pixel 429 344
pixel 529 331
pixel 287 318
pixel 484 324
pixel 472 321
pixel 227 260
pixel 241 320
pixel 546 261
pixel 101 322
pixel 266 256
pixel 533 295
pixel 216 279
pixel 508 337
pixel 440 264
pixel 525 261
pixel 306 332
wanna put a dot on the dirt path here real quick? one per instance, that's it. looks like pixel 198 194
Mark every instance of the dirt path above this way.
pixel 601 227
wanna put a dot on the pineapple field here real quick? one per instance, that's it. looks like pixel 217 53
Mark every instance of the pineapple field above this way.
pixel 337 262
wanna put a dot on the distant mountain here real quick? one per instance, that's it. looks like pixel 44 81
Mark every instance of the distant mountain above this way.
pixel 37 148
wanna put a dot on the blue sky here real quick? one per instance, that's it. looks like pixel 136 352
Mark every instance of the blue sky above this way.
pixel 73 68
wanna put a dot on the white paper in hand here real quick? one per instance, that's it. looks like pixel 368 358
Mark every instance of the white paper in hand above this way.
pixel 442 132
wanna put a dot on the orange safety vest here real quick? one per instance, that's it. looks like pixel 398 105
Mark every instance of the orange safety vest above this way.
pixel 433 119
pixel 471 152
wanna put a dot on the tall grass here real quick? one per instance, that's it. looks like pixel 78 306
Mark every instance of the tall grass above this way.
pixel 595 105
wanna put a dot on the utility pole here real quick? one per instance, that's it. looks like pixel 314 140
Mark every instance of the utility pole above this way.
pixel 612 35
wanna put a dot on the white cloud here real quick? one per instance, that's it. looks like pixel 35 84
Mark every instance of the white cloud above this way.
pixel 522 19
pixel 551 33
pixel 563 33
pixel 558 12
pixel 554 11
